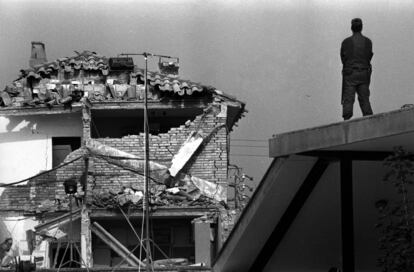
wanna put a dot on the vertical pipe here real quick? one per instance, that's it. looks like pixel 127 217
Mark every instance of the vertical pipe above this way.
pixel 347 215
pixel 146 170
pixel 86 236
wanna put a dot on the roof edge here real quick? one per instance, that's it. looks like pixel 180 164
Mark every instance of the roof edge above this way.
pixel 341 133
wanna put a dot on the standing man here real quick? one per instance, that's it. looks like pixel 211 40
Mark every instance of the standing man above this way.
pixel 356 55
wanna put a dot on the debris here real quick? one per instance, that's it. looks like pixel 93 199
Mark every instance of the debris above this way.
pixel 187 149
pixel 210 189
pixel 170 262
pixel 173 190
pixel 126 160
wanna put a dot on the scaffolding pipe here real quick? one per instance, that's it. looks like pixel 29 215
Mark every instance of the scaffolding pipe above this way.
pixel 146 167
pixel 115 245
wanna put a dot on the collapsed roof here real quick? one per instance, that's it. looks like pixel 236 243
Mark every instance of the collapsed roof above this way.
pixel 66 81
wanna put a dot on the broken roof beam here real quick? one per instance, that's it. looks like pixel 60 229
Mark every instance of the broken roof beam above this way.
pixel 56 222
pixel 115 245
pixel 126 105
pixel 187 149
pixel 125 160
pixel 158 172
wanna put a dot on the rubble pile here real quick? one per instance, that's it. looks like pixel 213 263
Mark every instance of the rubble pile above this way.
pixel 160 195
pixel 49 92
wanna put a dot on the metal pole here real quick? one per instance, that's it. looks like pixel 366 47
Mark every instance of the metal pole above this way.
pixel 347 215
pixel 146 151
pixel 71 229
pixel 146 170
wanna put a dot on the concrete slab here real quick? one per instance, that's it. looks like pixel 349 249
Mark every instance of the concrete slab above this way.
pixel 370 129
pixel 268 203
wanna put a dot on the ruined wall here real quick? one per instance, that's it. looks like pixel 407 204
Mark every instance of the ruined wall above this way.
pixel 26 150
pixel 46 192
pixel 209 162
pixel 26 142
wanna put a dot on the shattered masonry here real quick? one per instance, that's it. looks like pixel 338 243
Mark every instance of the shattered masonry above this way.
pixel 189 161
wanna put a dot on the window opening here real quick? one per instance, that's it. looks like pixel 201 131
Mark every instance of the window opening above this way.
pixel 62 146
pixel 174 237
pixel 57 260
pixel 120 123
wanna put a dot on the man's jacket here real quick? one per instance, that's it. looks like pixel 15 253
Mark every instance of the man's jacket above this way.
pixel 356 52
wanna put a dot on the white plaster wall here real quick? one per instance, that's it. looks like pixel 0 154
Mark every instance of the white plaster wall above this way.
pixel 16 228
pixel 25 150
pixel 26 142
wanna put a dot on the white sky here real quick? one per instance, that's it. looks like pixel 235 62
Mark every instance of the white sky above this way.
pixel 280 57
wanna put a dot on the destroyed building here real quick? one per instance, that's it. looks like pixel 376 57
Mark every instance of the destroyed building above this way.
pixel 80 119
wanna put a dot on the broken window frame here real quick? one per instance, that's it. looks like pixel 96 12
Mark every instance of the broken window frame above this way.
pixel 73 142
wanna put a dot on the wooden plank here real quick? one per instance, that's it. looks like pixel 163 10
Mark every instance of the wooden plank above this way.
pixel 86 238
pixel 186 151
pixel 115 245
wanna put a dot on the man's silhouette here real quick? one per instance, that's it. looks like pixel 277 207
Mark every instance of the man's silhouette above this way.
pixel 356 55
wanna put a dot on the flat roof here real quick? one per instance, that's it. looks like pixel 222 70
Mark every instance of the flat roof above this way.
pixel 379 132
pixel 367 138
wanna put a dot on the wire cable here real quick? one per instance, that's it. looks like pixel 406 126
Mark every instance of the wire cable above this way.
pixel 40 174
pixel 249 140
pixel 250 155
pixel 255 146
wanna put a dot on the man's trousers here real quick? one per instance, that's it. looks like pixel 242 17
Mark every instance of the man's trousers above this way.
pixel 355 81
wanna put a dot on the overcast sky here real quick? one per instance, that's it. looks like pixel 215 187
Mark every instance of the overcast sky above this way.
pixel 280 57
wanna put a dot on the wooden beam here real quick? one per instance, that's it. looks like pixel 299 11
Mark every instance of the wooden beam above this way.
pixel 354 155
pixel 86 239
pixel 290 214
pixel 115 245
pixel 347 215
pixel 86 235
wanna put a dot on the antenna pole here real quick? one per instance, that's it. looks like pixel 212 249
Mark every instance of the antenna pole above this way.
pixel 146 201
pixel 146 167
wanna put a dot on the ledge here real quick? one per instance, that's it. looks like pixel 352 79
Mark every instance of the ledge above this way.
pixel 160 212
pixel 371 133
pixel 39 110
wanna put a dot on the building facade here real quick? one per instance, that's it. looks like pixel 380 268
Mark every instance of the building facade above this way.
pixel 80 120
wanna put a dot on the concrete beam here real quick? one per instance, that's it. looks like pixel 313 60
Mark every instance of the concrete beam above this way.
pixel 39 110
pixel 263 212
pixel 128 105
pixel 161 212
pixel 289 216
pixel 335 135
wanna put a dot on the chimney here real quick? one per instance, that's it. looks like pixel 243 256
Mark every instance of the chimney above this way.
pixel 169 68
pixel 38 55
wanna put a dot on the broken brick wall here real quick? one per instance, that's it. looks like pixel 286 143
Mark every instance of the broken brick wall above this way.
pixel 209 162
pixel 26 149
